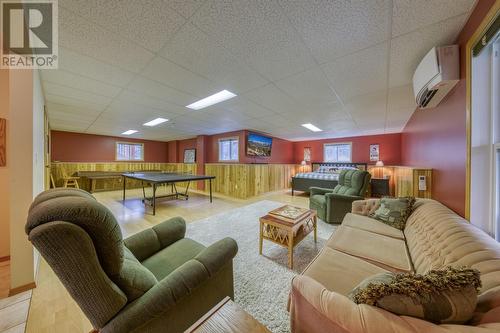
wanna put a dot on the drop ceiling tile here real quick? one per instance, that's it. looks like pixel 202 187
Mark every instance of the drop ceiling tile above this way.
pixel 71 102
pixel 368 108
pixel 408 50
pixel 155 89
pixel 128 96
pixel 69 117
pixel 272 98
pixel 71 80
pixel 172 75
pixel 409 15
pixel 243 106
pixel 81 36
pixel 401 98
pixel 71 110
pixel 70 126
pixel 334 28
pixel 149 23
pixel 194 49
pixel 186 7
pixel 258 32
pixel 86 66
pixel 65 91
pixel 309 87
pixel 360 73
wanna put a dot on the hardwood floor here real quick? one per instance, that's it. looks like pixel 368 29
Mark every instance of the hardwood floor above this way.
pixel 53 310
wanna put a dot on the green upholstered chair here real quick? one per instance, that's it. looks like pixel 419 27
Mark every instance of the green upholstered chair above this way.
pixel 333 204
pixel 153 281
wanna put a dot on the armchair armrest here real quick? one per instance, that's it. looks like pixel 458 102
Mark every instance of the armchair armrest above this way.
pixel 173 288
pixel 147 242
pixel 319 190
pixel 342 197
pixel 365 207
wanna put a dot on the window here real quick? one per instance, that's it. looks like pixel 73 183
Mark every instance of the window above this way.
pixel 337 152
pixel 228 149
pixel 127 151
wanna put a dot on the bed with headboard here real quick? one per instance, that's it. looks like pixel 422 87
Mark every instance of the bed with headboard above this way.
pixel 323 175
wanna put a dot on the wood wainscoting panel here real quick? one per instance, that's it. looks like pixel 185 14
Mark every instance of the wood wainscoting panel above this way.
pixel 71 169
pixel 247 180
pixel 403 181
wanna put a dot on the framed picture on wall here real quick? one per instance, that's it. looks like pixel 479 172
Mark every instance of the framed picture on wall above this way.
pixel 374 152
pixel 307 154
pixel 189 155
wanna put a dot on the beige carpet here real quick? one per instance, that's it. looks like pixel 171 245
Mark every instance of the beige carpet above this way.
pixel 262 282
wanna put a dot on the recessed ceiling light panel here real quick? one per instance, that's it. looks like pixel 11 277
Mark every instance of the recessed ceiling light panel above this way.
pixel 155 122
pixel 221 96
pixel 129 132
pixel 311 127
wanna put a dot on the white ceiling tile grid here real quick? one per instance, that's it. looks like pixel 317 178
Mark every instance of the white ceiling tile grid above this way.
pixel 345 66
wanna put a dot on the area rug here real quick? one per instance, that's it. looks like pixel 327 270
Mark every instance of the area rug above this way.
pixel 262 282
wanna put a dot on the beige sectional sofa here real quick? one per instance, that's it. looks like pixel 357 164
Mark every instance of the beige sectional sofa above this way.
pixel 434 237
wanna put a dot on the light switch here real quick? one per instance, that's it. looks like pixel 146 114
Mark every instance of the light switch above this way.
pixel 422 184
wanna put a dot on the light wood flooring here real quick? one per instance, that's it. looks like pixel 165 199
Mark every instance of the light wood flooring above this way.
pixel 52 309
pixel 14 309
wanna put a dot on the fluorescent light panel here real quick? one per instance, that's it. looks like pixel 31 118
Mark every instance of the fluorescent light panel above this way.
pixel 311 127
pixel 155 122
pixel 129 132
pixel 221 96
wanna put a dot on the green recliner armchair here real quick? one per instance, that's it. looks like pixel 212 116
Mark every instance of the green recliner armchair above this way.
pixel 333 204
pixel 153 281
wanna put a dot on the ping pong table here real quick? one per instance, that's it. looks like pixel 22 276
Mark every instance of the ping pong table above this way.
pixel 160 178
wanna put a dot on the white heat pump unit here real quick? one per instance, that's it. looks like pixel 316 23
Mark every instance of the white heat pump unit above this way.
pixel 436 75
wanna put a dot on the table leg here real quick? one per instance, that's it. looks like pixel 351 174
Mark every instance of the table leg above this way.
pixel 154 198
pixel 315 225
pixel 261 237
pixel 124 181
pixel 290 249
pixel 210 186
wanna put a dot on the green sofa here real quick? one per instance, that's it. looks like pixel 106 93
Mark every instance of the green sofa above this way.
pixel 153 281
pixel 333 204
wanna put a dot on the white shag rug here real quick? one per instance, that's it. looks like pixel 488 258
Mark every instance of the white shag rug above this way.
pixel 262 282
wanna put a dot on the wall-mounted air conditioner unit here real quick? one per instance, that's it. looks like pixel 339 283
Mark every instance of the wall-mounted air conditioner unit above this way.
pixel 436 75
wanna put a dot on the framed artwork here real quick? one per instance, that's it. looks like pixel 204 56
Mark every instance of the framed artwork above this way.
pixel 3 142
pixel 189 155
pixel 307 154
pixel 374 152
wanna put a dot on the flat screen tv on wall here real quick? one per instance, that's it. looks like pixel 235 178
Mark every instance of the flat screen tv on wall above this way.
pixel 259 145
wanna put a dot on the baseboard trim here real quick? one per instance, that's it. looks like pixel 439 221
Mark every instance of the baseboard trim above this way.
pixel 6 258
pixel 20 289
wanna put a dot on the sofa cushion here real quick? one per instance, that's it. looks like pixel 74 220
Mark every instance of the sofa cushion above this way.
pixel 386 252
pixel 162 263
pixel 394 211
pixel 372 225
pixel 440 296
pixel 340 272
pixel 134 279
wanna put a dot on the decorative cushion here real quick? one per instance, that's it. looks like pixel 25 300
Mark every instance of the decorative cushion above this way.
pixel 447 296
pixel 394 211
pixel 134 279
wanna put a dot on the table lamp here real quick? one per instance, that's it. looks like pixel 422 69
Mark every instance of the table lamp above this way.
pixel 303 164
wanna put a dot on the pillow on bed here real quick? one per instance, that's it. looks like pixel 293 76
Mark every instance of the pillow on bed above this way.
pixel 322 169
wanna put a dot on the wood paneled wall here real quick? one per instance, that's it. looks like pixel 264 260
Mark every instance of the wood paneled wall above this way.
pixel 403 181
pixel 58 169
pixel 247 180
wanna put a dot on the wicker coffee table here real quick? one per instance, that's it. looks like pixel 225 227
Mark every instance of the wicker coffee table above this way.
pixel 285 232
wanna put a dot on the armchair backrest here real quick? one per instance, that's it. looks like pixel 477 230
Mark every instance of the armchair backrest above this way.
pixel 81 240
pixel 353 182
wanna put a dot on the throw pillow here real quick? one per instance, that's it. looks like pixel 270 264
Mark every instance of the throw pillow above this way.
pixel 440 296
pixel 394 211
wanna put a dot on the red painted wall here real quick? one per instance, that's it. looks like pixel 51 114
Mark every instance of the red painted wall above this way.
pixel 282 150
pixel 390 148
pixel 436 138
pixel 183 145
pixel 79 147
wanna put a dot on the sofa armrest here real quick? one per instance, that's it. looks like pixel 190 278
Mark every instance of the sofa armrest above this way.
pixel 319 190
pixel 173 288
pixel 147 242
pixel 314 309
pixel 365 207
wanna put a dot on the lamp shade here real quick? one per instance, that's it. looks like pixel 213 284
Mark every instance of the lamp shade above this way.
pixel 303 163
pixel 379 164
